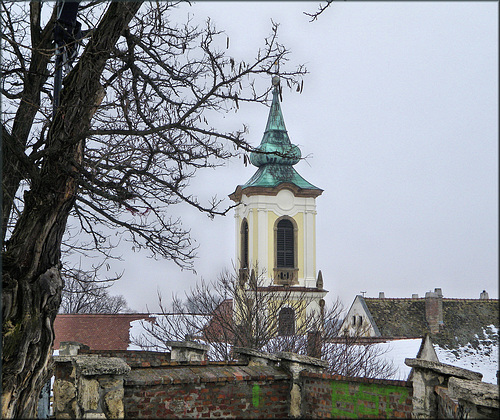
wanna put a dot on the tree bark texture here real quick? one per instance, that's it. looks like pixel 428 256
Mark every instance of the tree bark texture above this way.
pixel 31 261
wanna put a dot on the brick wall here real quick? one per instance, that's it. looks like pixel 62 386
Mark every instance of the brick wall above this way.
pixel 98 331
pixel 335 396
pixel 208 391
pixel 447 406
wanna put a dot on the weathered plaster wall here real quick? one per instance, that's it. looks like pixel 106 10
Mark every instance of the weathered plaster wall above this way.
pixel 89 387
pixel 442 390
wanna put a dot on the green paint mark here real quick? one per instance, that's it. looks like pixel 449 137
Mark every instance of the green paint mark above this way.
pixel 255 395
pixel 351 401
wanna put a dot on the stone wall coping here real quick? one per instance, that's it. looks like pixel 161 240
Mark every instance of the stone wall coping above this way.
pixel 73 343
pixel 70 358
pixel 125 352
pixel 71 348
pixel 192 345
pixel 479 393
pixel 91 366
pixel 246 351
pixel 444 369
pixel 303 360
pixel 333 377
pixel 196 363
pixel 203 374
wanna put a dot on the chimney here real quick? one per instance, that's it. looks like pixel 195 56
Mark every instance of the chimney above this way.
pixel 434 310
pixel 381 295
pixel 438 291
pixel 414 296
pixel 484 295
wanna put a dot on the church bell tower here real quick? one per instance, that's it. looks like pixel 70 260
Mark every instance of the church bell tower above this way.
pixel 276 216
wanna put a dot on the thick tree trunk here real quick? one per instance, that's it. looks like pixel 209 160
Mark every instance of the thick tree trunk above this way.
pixel 31 280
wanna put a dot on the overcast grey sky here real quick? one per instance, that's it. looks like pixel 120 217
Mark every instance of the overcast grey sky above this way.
pixel 399 118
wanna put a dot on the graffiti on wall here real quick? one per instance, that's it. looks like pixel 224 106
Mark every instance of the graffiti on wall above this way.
pixel 256 395
pixel 355 400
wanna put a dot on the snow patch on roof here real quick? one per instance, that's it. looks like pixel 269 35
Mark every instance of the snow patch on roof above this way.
pixel 397 351
pixel 481 357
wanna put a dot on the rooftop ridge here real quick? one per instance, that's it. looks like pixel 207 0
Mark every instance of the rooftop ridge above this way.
pixel 129 315
pixel 423 298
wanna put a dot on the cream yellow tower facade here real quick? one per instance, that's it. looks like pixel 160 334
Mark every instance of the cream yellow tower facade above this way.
pixel 275 218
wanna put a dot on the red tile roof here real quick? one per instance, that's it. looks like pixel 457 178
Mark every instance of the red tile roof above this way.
pixel 98 331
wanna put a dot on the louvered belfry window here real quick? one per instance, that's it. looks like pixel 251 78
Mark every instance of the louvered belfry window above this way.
pixel 244 244
pixel 285 244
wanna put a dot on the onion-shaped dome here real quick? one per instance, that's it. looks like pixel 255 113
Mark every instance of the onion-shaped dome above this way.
pixel 275 157
pixel 275 147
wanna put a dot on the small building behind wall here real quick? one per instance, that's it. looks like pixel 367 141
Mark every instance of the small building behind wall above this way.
pixel 448 320
pixel 464 331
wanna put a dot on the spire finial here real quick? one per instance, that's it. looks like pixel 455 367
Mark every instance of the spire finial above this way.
pixel 276 155
pixel 275 143
pixel 277 67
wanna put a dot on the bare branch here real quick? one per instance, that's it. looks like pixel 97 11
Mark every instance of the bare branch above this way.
pixel 321 9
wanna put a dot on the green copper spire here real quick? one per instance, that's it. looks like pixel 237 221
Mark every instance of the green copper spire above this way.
pixel 276 155
pixel 275 146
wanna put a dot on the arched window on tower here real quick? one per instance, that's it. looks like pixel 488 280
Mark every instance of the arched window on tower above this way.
pixel 286 322
pixel 285 246
pixel 244 244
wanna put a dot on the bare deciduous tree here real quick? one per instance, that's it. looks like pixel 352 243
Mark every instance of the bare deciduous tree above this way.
pixel 137 117
pixel 230 312
pixel 83 294
pixel 226 313
pixel 354 354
